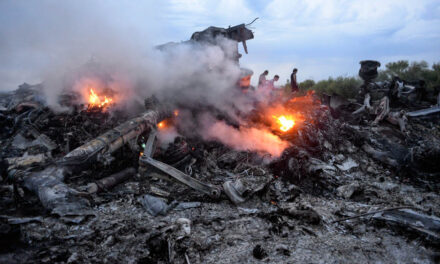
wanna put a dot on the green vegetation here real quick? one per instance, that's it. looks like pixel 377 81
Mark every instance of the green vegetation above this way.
pixel 413 71
pixel 349 86
pixel 345 86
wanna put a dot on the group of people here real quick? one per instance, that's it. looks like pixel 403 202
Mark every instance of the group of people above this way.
pixel 263 83
pixel 266 87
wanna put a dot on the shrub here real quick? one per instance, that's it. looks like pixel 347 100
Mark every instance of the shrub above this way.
pixel 344 86
pixel 306 85
pixel 412 71
pixel 348 87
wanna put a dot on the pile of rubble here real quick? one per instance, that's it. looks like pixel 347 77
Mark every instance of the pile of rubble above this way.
pixel 94 186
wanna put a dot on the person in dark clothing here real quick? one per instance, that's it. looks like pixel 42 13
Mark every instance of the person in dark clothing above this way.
pixel 293 82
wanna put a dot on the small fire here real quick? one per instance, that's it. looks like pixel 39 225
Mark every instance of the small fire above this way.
pixel 285 122
pixel 162 124
pixel 96 101
pixel 286 116
pixel 168 123
pixel 93 98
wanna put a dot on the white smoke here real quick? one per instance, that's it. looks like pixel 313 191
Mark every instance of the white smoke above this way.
pixel 83 44
pixel 244 138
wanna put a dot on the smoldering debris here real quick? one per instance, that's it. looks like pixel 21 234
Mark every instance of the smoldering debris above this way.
pixel 99 183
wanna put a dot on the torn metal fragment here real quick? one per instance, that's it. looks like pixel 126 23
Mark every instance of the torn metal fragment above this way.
pixel 110 181
pixel 423 112
pixel 234 190
pixel 150 145
pixel 104 145
pixel 25 161
pixel 155 205
pixel 54 194
pixel 176 175
pixel 426 225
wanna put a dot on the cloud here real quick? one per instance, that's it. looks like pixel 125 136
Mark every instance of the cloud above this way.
pixel 311 20
pixel 195 15
pixel 334 35
pixel 329 35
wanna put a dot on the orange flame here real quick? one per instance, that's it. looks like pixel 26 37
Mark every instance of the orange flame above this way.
pixel 285 122
pixel 96 101
pixel 93 98
pixel 286 116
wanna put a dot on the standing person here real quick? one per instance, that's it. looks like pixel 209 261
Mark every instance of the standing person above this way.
pixel 271 83
pixel 266 90
pixel 293 82
pixel 262 79
pixel 266 87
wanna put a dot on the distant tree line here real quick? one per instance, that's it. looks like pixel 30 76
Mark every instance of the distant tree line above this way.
pixel 349 86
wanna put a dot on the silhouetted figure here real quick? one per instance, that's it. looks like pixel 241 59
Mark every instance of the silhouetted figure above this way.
pixel 293 82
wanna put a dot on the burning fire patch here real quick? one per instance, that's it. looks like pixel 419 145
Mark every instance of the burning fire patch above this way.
pixel 285 122
pixel 98 101
pixel 97 94
pixel 285 117
pixel 169 122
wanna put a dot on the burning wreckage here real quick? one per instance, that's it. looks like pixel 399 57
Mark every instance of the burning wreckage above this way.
pixel 328 179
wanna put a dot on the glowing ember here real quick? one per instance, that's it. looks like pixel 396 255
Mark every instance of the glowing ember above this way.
pixel 286 123
pixel 167 124
pixel 176 112
pixel 161 124
pixel 96 101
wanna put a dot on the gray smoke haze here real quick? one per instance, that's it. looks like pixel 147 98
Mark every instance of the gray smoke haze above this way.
pixel 49 41
pixel 52 41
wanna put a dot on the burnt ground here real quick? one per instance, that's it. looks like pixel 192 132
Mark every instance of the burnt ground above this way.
pixel 329 173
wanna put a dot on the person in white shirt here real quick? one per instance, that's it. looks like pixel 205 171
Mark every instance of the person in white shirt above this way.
pixel 266 89
pixel 271 83
pixel 262 79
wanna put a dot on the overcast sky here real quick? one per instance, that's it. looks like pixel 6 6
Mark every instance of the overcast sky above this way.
pixel 321 38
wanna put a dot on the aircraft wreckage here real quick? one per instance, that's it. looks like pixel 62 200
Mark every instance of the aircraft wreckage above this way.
pixel 355 181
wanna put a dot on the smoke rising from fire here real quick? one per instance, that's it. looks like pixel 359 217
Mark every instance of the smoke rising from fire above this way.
pixel 75 46
pixel 51 42
pixel 244 138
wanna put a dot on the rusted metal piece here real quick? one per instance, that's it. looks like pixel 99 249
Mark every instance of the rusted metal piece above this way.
pixel 103 146
pixel 110 181
pixel 173 174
